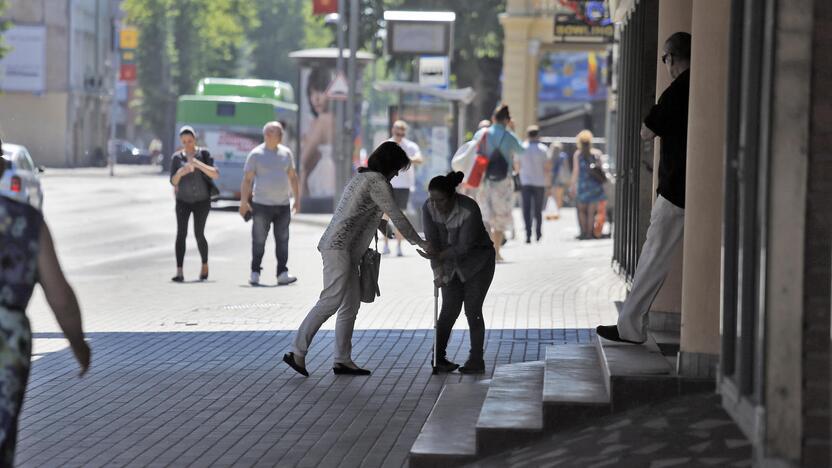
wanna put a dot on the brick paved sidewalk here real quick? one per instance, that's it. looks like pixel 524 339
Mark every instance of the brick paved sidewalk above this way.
pixel 225 398
pixel 191 374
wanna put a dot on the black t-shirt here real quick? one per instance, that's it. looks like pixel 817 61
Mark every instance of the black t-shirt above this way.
pixel 193 187
pixel 669 120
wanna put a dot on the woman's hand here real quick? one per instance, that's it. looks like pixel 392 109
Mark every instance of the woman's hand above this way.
pixel 186 169
pixel 427 251
pixel 83 355
pixel 426 255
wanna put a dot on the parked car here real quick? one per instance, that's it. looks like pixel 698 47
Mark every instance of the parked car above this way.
pixel 21 178
pixel 128 153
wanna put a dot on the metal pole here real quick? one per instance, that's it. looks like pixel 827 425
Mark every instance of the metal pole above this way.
pixel 353 93
pixel 337 144
pixel 111 150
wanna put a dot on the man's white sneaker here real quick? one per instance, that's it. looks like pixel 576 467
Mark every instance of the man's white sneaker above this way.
pixel 284 278
pixel 255 278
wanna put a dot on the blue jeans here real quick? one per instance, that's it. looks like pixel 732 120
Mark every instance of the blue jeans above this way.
pixel 263 217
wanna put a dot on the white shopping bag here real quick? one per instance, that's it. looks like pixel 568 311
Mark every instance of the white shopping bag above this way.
pixel 464 158
pixel 551 212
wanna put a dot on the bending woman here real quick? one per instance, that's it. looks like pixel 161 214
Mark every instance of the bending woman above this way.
pixel 463 266
pixel 358 215
pixel 191 172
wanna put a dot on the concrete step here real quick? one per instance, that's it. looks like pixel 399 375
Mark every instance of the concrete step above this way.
pixel 449 436
pixel 667 341
pixel 513 409
pixel 635 374
pixel 573 387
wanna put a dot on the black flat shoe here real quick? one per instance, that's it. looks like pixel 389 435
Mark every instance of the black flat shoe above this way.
pixel 340 369
pixel 178 279
pixel 610 332
pixel 203 277
pixel 444 365
pixel 289 358
pixel 473 367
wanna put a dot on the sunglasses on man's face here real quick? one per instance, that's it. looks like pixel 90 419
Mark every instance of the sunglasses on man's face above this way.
pixel 664 57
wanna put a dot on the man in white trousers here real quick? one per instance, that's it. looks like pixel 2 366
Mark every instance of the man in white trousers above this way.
pixel 668 120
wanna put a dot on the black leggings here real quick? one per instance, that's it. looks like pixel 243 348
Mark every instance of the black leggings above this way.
pixel 472 294
pixel 183 212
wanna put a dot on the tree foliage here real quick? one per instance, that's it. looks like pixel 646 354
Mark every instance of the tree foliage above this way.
pixel 182 41
pixel 4 25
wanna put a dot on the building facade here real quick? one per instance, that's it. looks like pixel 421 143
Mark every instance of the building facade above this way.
pixel 751 292
pixel 756 272
pixel 57 79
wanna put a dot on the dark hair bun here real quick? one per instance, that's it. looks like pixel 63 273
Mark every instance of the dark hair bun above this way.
pixel 455 178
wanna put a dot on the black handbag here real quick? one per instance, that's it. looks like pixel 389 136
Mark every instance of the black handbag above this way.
pixel 596 170
pixel 517 184
pixel 368 274
pixel 213 191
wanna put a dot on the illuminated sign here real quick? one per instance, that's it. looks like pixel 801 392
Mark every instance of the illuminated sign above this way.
pixel 571 28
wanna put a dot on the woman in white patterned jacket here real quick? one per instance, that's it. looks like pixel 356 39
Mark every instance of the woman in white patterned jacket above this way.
pixel 367 196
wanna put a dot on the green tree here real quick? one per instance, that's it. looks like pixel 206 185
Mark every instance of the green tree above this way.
pixel 4 25
pixel 181 41
pixel 281 30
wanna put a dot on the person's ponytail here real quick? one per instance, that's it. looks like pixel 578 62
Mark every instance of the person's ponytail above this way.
pixel 446 183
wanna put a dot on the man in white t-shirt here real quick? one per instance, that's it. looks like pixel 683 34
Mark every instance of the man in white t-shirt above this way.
pixel 405 182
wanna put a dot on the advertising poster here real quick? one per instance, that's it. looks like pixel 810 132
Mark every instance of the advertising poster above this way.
pixel 573 77
pixel 316 160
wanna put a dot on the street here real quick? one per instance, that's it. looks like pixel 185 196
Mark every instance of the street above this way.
pixel 191 373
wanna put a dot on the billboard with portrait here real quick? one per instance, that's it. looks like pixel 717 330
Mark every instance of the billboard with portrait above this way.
pixel 316 158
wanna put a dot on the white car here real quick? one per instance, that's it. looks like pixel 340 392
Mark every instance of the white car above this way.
pixel 21 178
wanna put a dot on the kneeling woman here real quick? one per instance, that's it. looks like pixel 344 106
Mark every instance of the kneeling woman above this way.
pixel 463 265
pixel 367 196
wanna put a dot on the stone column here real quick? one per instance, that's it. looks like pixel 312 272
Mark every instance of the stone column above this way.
pixel 518 77
pixel 701 284
pixel 674 16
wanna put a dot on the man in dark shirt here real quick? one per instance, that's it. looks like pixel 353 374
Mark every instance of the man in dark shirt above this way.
pixel 668 120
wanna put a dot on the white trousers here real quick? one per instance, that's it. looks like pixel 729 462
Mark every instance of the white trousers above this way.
pixel 342 295
pixel 666 230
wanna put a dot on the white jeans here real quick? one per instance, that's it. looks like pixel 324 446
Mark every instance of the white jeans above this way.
pixel 667 227
pixel 341 294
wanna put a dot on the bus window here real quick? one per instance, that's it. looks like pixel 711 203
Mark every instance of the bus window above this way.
pixel 226 109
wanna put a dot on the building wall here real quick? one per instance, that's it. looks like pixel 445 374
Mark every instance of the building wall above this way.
pixel 45 137
pixel 67 123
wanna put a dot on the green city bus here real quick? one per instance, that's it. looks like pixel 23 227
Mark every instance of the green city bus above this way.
pixel 228 116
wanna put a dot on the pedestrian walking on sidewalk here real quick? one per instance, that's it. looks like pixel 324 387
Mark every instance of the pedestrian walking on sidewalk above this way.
pixel 192 173
pixel 534 165
pixel 586 186
pixel 463 266
pixel 668 120
pixel 496 193
pixel 405 182
pixel 357 217
pixel 268 177
pixel 27 256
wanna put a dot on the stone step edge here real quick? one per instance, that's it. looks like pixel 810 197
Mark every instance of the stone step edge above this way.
pixel 594 372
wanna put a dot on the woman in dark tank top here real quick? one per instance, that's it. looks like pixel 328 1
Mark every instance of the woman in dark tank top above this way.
pixel 191 172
